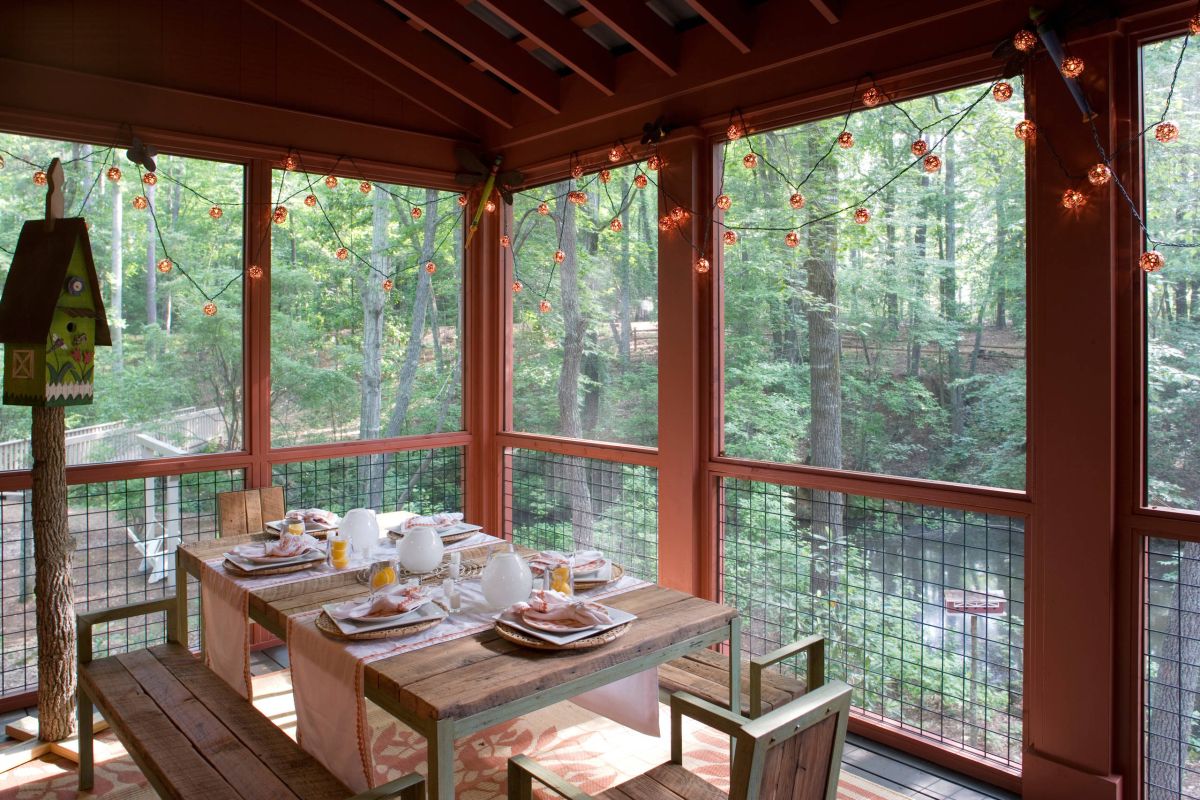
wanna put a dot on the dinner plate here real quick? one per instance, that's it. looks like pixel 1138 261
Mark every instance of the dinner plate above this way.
pixel 618 617
pixel 551 626
pixel 255 563
pixel 309 527
pixel 428 612
pixel 588 575
pixel 389 617
pixel 278 560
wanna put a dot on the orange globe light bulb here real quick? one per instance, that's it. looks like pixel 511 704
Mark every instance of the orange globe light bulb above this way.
pixel 310 200
pixel 255 271
pixel 577 171
pixel 796 201
pixel 543 209
pixel 544 306
pixel 919 147
pixel 791 239
pixel 113 174
pixel 331 182
pixel 1073 198
pixel 665 223
pixel 678 213
pixel 724 201
pixel 654 163
pixel 1024 40
pixel 750 161
pixel 210 309
pixel 862 216
pixel 140 202
pixel 559 256
pixel 1099 174
pixel 1026 130
pixel 640 181
pixel 39 178
pixel 614 155
pixel 505 241
pixel 1152 261
pixel 150 179
pixel 430 267
pixel 517 287
pixel 388 284
pixel 1194 24
pixel 702 265
pixel 290 161
pixel 1002 92
pixel 872 97
pixel 164 265
pixel 1166 132
pixel 215 212
pixel 365 187
pixel 932 163
pixel 845 140
pixel 461 200
pixel 730 237
pixel 280 215
pixel 735 132
pixel 415 213
pixel 341 254
pixel 605 176
pixel 490 206
pixel 1072 67
pixel 616 226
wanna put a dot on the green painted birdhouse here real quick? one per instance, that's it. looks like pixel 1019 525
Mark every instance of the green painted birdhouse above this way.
pixel 51 316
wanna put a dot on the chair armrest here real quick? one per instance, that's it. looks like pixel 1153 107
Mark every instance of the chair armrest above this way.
pixel 85 622
pixel 409 787
pixel 522 770
pixel 704 712
pixel 814 646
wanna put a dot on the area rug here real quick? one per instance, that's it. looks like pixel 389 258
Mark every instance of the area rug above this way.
pixel 589 751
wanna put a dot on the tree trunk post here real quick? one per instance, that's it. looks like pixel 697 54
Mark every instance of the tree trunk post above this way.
pixel 53 587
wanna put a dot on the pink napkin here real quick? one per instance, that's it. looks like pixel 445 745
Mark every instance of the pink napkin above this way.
pixel 547 605
pixel 446 519
pixel 399 601
pixel 317 515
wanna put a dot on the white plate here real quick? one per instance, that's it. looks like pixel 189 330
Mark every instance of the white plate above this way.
pixel 280 560
pixel 389 617
pixel 451 530
pixel 618 617
pixel 428 611
pixel 591 574
pixel 249 565
pixel 309 527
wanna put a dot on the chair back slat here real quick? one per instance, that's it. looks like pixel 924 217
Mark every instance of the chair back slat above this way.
pixel 249 511
pixel 798 768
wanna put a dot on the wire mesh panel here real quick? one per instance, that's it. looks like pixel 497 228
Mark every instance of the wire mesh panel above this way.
pixel 414 480
pixel 1172 670
pixel 922 607
pixel 558 502
pixel 125 537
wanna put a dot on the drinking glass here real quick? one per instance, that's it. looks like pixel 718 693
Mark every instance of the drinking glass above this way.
pixel 382 577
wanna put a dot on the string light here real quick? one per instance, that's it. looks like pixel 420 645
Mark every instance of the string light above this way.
pixel 255 271
pixel 310 200
pixel 559 256
pixel 543 209
pixel 577 197
pixel 113 174
pixel 290 162
pixel 1194 25
pixel 862 216
pixel 39 178
pixel 1024 40
pixel 416 212
pixel 616 226
pixel 702 265
pixel 872 97
pixel 791 239
pixel 210 309
pixel 280 215
pixel 490 206
pixel 724 201
pixel 605 176
pixel 640 181
pixel 1 162
pixel 1072 67
pixel 430 267
pixel 665 223
pixel 517 287
pixel 341 254
pixel 1002 92
pixel 150 179
pixel 164 265
pixel 1025 130
pixel 365 187
pixel 331 182
pixel 140 202
pixel 919 147
pixel 505 241
pixel 1099 175
pixel 750 161
pixel 215 212
pixel 614 155
pixel 796 201
pixel 577 171
pixel 932 163
pixel 544 306
pixel 388 284
pixel 735 132
pixel 845 140
pixel 677 213
pixel 1073 199
pixel 730 238
pixel 1166 132
pixel 461 200
pixel 654 163
pixel 1152 261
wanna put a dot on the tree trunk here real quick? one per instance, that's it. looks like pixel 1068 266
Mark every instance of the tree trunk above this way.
pixel 572 473
pixel 921 244
pixel 624 289
pixel 116 312
pixel 53 588
pixel 891 300
pixel 151 259
pixel 949 286
pixel 1181 301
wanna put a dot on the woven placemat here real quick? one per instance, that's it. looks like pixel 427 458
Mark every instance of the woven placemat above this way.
pixel 238 572
pixel 328 627
pixel 618 572
pixel 525 640
pixel 451 539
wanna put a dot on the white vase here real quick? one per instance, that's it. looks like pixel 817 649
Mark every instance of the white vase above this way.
pixel 421 549
pixel 506 579
pixel 362 529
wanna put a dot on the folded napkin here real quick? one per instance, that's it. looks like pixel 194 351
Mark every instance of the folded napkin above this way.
pixel 445 519
pixel 547 605
pixel 316 515
pixel 585 561
pixel 286 546
pixel 399 601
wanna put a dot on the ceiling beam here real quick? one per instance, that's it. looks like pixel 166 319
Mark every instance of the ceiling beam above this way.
pixel 342 45
pixel 831 10
pixel 729 18
pixel 649 33
pixel 486 46
pixel 399 42
pixel 560 37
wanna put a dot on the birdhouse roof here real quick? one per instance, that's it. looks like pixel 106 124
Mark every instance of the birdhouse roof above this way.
pixel 37 278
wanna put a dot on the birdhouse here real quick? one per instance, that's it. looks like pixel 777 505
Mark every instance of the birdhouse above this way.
pixel 51 316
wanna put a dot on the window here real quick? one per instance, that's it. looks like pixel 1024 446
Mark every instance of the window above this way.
pixel 366 315
pixel 896 346
pixel 1172 295
pixel 171 384
pixel 585 329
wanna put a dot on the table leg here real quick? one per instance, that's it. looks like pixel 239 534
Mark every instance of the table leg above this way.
pixel 181 600
pixel 440 756
pixel 735 675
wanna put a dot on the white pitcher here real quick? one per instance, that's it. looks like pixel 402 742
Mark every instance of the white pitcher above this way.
pixel 362 529
pixel 506 578
pixel 421 549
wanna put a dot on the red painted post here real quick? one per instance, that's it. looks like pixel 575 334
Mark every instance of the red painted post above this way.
pixel 256 325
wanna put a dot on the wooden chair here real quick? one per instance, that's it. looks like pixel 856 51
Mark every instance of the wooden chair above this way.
pixel 791 753
pixel 705 674
pixel 248 511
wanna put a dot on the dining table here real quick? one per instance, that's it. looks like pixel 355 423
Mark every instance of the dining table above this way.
pixel 464 684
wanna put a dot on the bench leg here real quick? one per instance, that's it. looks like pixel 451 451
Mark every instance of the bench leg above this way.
pixel 83 710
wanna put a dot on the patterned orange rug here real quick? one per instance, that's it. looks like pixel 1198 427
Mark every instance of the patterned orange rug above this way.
pixel 589 751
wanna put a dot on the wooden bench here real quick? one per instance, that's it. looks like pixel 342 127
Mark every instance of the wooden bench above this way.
pixel 190 733
pixel 705 674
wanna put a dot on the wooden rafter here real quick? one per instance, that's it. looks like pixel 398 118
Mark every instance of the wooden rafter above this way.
pixel 831 10
pixel 485 46
pixel 346 47
pixel 390 36
pixel 648 33
pixel 560 37
pixel 728 17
